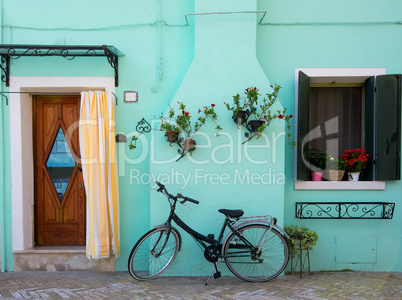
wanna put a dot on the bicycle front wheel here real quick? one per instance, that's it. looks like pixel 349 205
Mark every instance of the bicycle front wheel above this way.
pixel 153 253
pixel 264 261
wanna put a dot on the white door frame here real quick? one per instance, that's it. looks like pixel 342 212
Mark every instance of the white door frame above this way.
pixel 21 143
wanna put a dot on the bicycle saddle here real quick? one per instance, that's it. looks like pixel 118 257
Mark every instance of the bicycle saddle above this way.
pixel 233 213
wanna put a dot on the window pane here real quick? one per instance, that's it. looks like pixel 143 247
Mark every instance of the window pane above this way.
pixel 60 164
pixel 338 112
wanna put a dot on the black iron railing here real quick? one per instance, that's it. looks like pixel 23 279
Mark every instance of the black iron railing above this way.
pixel 344 210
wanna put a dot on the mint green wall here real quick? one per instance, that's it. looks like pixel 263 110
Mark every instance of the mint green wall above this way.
pixel 6 260
pixel 224 64
pixel 130 26
pixel 5 190
pixel 341 34
pixel 294 34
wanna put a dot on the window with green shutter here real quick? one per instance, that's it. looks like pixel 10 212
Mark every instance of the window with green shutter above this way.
pixel 335 114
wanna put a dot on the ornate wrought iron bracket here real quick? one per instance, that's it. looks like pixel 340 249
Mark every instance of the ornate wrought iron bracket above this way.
pixel 344 210
pixel 5 67
pixel 183 151
pixel 114 63
pixel 8 52
pixel 143 126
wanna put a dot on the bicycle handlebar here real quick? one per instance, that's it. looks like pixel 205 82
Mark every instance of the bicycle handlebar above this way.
pixel 187 199
pixel 162 188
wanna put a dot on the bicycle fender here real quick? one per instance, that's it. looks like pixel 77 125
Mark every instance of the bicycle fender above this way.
pixel 172 228
pixel 280 229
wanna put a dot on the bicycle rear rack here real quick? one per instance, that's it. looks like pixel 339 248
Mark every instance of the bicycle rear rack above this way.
pixel 255 219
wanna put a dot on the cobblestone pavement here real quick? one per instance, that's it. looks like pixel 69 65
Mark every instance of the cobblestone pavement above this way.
pixel 119 285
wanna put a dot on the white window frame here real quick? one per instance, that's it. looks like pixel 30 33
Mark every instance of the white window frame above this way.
pixel 332 74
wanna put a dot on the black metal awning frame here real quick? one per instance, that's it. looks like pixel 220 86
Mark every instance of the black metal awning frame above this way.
pixel 8 52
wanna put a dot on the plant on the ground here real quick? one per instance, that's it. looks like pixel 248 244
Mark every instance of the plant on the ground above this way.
pixel 301 238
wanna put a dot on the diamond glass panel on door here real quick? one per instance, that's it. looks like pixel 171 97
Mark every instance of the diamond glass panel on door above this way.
pixel 60 164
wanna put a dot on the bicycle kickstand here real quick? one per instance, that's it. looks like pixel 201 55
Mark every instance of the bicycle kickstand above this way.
pixel 217 274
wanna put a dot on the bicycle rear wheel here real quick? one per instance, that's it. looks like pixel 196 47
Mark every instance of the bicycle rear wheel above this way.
pixel 153 253
pixel 252 265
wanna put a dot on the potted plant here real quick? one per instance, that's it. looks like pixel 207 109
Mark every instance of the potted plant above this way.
pixel 301 238
pixel 182 124
pixel 181 128
pixel 259 109
pixel 172 135
pixel 335 169
pixel 355 161
pixel 170 128
pixel 317 160
pixel 239 110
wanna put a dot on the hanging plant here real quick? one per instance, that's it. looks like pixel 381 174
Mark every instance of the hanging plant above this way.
pixel 260 110
pixel 180 128
pixel 189 127
pixel 186 126
pixel 239 110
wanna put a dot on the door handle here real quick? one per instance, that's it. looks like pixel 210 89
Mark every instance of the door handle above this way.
pixel 79 166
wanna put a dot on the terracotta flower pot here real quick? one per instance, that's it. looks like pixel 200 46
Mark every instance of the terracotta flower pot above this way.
pixel 189 145
pixel 171 136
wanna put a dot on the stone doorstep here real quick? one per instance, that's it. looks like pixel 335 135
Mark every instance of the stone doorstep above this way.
pixel 57 258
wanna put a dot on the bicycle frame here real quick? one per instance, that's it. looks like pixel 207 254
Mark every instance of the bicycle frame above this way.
pixel 233 226
pixel 242 249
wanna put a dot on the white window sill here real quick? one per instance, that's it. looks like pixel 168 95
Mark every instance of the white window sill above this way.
pixel 339 185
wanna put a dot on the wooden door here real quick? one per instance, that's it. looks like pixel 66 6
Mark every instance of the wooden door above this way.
pixel 59 186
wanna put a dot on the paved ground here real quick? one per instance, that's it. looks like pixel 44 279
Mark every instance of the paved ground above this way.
pixel 119 285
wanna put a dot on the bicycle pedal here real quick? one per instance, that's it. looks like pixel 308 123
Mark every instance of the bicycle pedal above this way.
pixel 217 275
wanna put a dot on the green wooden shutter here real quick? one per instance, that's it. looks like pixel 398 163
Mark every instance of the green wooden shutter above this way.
pixel 388 131
pixel 302 123
pixel 369 126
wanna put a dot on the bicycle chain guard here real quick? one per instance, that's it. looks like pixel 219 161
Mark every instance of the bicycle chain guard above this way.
pixel 209 255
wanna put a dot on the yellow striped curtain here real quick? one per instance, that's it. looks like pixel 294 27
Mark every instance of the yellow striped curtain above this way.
pixel 98 158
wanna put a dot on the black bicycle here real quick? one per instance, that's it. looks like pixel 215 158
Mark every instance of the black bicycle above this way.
pixel 254 250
